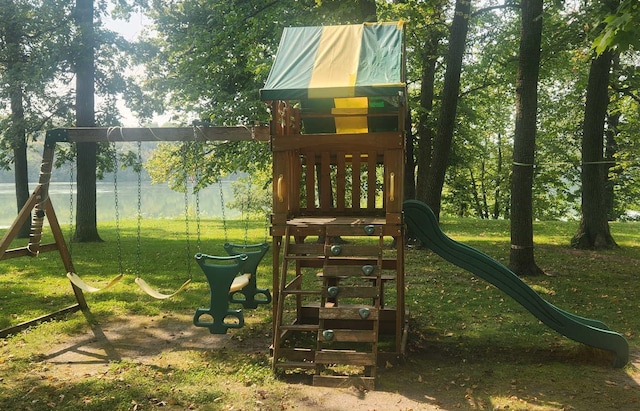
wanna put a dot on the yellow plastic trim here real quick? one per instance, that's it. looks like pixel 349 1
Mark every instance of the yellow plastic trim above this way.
pixel 79 282
pixel 392 185
pixel 155 294
pixel 239 282
pixel 280 188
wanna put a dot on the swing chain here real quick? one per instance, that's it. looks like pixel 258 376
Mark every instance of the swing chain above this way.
pixel 196 189
pixel 139 209
pixel 185 183
pixel 117 206
pixel 224 217
pixel 71 178
pixel 248 207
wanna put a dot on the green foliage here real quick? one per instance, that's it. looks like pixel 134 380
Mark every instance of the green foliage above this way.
pixel 622 28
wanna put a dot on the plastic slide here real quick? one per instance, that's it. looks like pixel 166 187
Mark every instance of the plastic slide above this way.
pixel 423 224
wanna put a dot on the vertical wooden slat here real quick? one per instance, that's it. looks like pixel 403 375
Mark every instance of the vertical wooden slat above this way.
pixel 371 180
pixel 325 182
pixel 296 178
pixel 280 183
pixel 355 180
pixel 340 181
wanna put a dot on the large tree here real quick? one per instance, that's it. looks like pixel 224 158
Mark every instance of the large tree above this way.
pixel 13 36
pixel 33 40
pixel 86 216
pixel 447 114
pixel 521 256
pixel 593 232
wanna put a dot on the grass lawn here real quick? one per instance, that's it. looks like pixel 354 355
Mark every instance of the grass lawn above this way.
pixel 470 346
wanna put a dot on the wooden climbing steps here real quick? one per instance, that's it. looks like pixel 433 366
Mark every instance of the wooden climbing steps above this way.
pixel 330 306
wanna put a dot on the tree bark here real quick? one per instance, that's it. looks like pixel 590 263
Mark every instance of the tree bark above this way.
pixel 447 115
pixel 521 256
pixel 426 130
pixel 86 219
pixel 611 148
pixel 593 232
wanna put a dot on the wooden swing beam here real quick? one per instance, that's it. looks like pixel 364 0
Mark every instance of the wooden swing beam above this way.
pixel 38 206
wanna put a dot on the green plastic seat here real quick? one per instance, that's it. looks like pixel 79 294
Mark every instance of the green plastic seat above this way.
pixel 221 272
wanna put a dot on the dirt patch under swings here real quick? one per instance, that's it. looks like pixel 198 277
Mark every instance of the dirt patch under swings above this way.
pixel 161 340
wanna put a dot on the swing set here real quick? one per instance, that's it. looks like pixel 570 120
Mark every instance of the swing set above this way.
pixel 39 207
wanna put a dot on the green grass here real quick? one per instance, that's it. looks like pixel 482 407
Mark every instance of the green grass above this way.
pixel 470 346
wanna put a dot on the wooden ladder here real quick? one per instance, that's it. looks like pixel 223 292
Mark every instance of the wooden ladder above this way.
pixel 340 343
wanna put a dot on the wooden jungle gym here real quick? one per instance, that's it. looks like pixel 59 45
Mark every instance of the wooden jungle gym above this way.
pixel 337 96
pixel 338 101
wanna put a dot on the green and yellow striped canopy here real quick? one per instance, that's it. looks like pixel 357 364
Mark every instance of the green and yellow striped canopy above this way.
pixel 338 61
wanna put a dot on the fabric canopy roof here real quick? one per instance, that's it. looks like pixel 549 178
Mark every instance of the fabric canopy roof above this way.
pixel 338 61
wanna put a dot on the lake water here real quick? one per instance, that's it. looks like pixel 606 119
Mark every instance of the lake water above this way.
pixel 157 201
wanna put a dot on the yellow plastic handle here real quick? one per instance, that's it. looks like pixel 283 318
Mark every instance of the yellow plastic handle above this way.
pixel 392 186
pixel 280 188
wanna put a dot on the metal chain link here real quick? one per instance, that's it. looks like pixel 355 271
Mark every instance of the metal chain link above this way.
pixel 196 184
pixel 117 206
pixel 248 207
pixel 71 179
pixel 185 183
pixel 224 217
pixel 139 209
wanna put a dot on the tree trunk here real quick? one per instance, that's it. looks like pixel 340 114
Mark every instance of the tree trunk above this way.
pixel 447 115
pixel 86 220
pixel 17 131
pixel 425 115
pixel 410 163
pixel 610 150
pixel 498 203
pixel 593 232
pixel 521 257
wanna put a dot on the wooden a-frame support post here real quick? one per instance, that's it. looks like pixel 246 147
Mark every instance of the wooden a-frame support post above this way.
pixel 39 207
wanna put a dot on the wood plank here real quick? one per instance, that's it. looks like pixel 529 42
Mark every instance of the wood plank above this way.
pixel 353 292
pixel 346 142
pixel 350 250
pixel 297 354
pixel 24 325
pixel 325 182
pixel 294 284
pixel 347 313
pixel 196 133
pixel 356 336
pixel 306 248
pixel 345 357
pixel 347 270
pixel 353 230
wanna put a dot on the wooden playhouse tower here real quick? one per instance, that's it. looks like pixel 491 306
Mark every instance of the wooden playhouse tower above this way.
pixel 338 101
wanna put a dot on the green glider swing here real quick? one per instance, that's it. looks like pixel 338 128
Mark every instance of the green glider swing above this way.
pixel 222 275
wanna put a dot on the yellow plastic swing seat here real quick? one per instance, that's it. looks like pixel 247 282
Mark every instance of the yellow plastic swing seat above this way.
pixel 156 294
pixel 79 282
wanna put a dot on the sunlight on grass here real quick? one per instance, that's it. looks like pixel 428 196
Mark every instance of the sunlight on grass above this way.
pixel 470 346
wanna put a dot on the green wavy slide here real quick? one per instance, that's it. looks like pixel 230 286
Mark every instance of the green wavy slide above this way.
pixel 422 222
